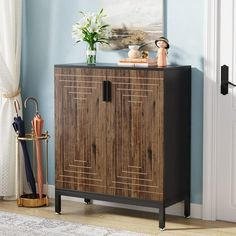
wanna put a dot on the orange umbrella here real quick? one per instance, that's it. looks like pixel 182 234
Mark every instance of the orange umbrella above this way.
pixel 37 124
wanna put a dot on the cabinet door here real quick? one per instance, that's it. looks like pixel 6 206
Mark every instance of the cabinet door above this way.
pixel 80 128
pixel 135 134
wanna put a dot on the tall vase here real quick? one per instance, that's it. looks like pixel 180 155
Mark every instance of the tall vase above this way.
pixel 91 54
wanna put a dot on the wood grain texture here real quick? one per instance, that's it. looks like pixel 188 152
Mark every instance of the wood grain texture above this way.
pixel 135 134
pixel 80 127
pixel 137 145
pixel 123 134
pixel 114 147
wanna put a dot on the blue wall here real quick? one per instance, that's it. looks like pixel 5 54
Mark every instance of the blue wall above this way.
pixel 47 41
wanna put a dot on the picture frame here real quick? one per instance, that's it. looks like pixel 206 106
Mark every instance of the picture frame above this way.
pixel 134 23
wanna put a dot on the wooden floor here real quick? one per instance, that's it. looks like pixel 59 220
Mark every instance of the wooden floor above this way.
pixel 125 219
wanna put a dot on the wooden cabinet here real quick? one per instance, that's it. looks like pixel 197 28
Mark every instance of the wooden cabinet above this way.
pixel 123 134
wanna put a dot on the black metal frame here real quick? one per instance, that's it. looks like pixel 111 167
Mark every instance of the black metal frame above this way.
pixel 132 201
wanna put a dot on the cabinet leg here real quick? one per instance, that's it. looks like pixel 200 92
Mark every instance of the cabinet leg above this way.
pixel 187 207
pixel 162 217
pixel 57 203
pixel 87 201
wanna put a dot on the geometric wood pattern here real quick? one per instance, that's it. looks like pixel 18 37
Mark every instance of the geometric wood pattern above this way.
pixel 115 147
pixel 123 134
pixel 80 125
pixel 135 134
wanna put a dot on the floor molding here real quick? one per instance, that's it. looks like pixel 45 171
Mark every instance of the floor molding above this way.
pixel 177 209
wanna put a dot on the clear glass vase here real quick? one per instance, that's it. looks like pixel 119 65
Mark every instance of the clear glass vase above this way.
pixel 91 54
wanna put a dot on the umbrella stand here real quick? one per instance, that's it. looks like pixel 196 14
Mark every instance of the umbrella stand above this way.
pixel 37 124
pixel 26 200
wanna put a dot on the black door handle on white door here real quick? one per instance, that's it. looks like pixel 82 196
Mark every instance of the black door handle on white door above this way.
pixel 225 80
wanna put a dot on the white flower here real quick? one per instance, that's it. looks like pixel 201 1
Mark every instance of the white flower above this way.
pixel 91 28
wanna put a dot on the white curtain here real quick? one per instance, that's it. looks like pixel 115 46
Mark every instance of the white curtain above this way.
pixel 10 54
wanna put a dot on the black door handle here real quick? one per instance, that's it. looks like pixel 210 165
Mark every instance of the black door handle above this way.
pixel 225 80
pixel 106 91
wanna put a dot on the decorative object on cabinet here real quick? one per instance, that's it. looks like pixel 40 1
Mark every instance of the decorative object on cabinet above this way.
pixel 138 62
pixel 134 23
pixel 163 44
pixel 92 29
pixel 145 54
pixel 123 135
pixel 134 51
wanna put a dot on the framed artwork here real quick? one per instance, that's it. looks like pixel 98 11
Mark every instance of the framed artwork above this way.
pixel 134 22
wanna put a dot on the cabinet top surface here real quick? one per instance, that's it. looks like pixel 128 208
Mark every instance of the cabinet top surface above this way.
pixel 115 66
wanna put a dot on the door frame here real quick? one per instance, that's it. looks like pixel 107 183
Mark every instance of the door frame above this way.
pixel 210 108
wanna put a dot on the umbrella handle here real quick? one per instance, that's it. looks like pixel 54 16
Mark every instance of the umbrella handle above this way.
pixel 17 106
pixel 35 101
pixel 15 127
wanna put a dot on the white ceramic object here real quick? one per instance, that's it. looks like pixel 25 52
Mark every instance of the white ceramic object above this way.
pixel 134 51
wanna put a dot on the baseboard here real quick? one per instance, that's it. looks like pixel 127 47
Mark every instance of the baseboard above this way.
pixel 177 209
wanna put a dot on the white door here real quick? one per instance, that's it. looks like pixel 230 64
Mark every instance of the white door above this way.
pixel 226 135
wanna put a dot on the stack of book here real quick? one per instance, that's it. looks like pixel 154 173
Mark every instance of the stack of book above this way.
pixel 138 62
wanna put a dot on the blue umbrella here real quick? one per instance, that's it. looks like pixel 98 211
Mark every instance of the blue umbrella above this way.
pixel 19 127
